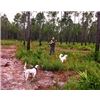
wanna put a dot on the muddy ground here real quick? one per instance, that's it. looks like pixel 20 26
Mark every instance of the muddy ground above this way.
pixel 12 74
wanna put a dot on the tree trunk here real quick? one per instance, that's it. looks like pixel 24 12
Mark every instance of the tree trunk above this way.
pixel 82 38
pixel 40 40
pixel 24 32
pixel 28 30
pixel 97 37
pixel 60 38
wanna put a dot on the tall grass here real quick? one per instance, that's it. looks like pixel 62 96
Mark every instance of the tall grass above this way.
pixel 39 56
pixel 8 42
pixel 77 46
pixel 81 62
pixel 76 61
pixel 87 81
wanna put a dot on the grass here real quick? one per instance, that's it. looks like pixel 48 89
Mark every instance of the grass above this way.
pixel 87 81
pixel 80 59
pixel 39 56
pixel 77 46
pixel 8 42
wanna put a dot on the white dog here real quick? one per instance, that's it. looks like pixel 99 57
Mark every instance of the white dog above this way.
pixel 32 71
pixel 63 57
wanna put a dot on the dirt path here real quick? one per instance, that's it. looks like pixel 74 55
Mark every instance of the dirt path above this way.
pixel 12 74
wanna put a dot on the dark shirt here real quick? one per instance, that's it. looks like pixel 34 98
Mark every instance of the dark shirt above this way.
pixel 52 43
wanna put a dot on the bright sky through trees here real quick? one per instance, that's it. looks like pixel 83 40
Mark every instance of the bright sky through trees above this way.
pixel 11 7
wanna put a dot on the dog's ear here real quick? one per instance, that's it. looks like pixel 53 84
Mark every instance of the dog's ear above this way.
pixel 36 66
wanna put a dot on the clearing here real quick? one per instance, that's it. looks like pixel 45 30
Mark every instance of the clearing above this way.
pixel 12 74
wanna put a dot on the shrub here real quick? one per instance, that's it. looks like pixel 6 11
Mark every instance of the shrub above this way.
pixel 97 56
pixel 29 56
pixel 8 42
pixel 76 65
pixel 86 82
pixel 72 84
pixel 85 48
pixel 52 66
pixel 38 56
pixel 21 53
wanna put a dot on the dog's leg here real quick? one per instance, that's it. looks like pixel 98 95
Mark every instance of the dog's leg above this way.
pixel 33 75
pixel 26 76
pixel 62 61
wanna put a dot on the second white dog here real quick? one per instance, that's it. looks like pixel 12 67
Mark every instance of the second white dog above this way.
pixel 32 71
pixel 63 57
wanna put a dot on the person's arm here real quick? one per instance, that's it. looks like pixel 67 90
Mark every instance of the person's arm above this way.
pixel 51 42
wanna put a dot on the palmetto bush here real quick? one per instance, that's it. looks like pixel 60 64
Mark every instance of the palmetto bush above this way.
pixel 86 82
pixel 38 56
pixel 53 65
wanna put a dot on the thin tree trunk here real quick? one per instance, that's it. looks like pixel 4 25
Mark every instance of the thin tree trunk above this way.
pixel 24 34
pixel 97 37
pixel 40 41
pixel 28 30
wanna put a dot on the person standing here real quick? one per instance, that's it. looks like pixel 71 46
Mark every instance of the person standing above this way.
pixel 52 44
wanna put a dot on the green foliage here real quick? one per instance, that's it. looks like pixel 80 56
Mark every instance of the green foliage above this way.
pixel 86 82
pixel 81 62
pixel 78 46
pixel 83 74
pixel 91 83
pixel 72 84
pixel 40 56
pixel 8 42
pixel 53 65
pixel 97 56
pixel 47 24
pixel 90 79
pixel 29 56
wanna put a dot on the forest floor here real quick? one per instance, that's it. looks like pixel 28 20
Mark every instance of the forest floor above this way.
pixel 12 74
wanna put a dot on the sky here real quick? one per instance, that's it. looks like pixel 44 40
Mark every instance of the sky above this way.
pixel 11 7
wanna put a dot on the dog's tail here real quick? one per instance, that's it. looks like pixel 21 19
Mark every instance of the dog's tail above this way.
pixel 25 66
pixel 60 56
pixel 65 56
